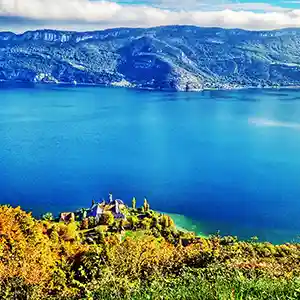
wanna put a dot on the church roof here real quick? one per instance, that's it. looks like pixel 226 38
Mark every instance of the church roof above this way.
pixel 119 201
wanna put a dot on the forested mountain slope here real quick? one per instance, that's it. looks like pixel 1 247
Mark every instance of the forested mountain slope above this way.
pixel 171 57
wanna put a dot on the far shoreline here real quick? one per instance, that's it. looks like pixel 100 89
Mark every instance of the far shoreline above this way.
pixel 137 88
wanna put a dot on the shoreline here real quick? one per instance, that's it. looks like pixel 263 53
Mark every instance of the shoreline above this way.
pixel 186 224
pixel 113 85
pixel 189 225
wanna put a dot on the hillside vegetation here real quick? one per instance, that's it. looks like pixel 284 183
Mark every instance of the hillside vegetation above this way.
pixel 143 257
pixel 171 57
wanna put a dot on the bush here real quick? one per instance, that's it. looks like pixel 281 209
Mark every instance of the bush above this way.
pixel 68 232
pixel 48 217
pixel 92 222
pixel 46 260
pixel 107 218
pixel 84 224
pixel 145 224
pixel 133 222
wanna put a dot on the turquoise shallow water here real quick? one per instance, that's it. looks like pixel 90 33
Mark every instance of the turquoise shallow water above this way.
pixel 229 160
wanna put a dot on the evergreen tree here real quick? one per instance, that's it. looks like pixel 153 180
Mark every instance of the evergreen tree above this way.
pixel 110 197
pixel 166 221
pixel 134 203
pixel 146 205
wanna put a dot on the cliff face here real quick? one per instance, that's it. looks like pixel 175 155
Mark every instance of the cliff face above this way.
pixel 172 57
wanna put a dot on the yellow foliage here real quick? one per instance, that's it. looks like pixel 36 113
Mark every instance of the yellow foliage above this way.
pixel 30 250
pixel 107 218
pixel 137 258
pixel 25 249
pixel 50 256
pixel 68 232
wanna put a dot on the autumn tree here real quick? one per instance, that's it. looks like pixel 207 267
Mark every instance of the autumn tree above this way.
pixel 25 249
pixel 68 232
pixel 34 254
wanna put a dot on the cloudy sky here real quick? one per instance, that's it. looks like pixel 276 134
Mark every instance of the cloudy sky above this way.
pixel 22 15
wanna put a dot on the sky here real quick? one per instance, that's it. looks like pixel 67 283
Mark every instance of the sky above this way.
pixel 83 15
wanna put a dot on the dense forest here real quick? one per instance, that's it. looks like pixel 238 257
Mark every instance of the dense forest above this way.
pixel 142 256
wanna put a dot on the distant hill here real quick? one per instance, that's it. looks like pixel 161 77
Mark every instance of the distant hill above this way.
pixel 171 57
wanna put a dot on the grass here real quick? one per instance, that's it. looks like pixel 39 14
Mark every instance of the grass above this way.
pixel 134 234
pixel 191 288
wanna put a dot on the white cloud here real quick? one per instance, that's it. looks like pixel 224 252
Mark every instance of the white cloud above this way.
pixel 83 15
pixel 265 7
pixel 209 5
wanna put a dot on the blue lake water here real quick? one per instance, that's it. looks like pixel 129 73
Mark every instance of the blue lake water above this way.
pixel 230 160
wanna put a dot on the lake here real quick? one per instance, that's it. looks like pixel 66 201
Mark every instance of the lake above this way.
pixel 225 160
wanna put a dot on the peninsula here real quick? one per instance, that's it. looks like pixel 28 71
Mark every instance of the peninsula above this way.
pixel 112 251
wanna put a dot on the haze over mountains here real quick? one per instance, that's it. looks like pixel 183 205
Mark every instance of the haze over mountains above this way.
pixel 170 57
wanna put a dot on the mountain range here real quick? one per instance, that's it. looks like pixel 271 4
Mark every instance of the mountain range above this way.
pixel 166 58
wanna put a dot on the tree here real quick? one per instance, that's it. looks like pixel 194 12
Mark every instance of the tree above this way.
pixel 110 197
pixel 146 223
pixel 121 225
pixel 146 205
pixel 47 217
pixel 92 222
pixel 254 239
pixel 158 227
pixel 133 221
pixel 84 224
pixel 68 232
pixel 166 221
pixel 36 256
pixel 107 218
pixel 156 232
pixel 54 235
pixel 155 222
pixel 84 213
pixel 134 203
pixel 26 251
